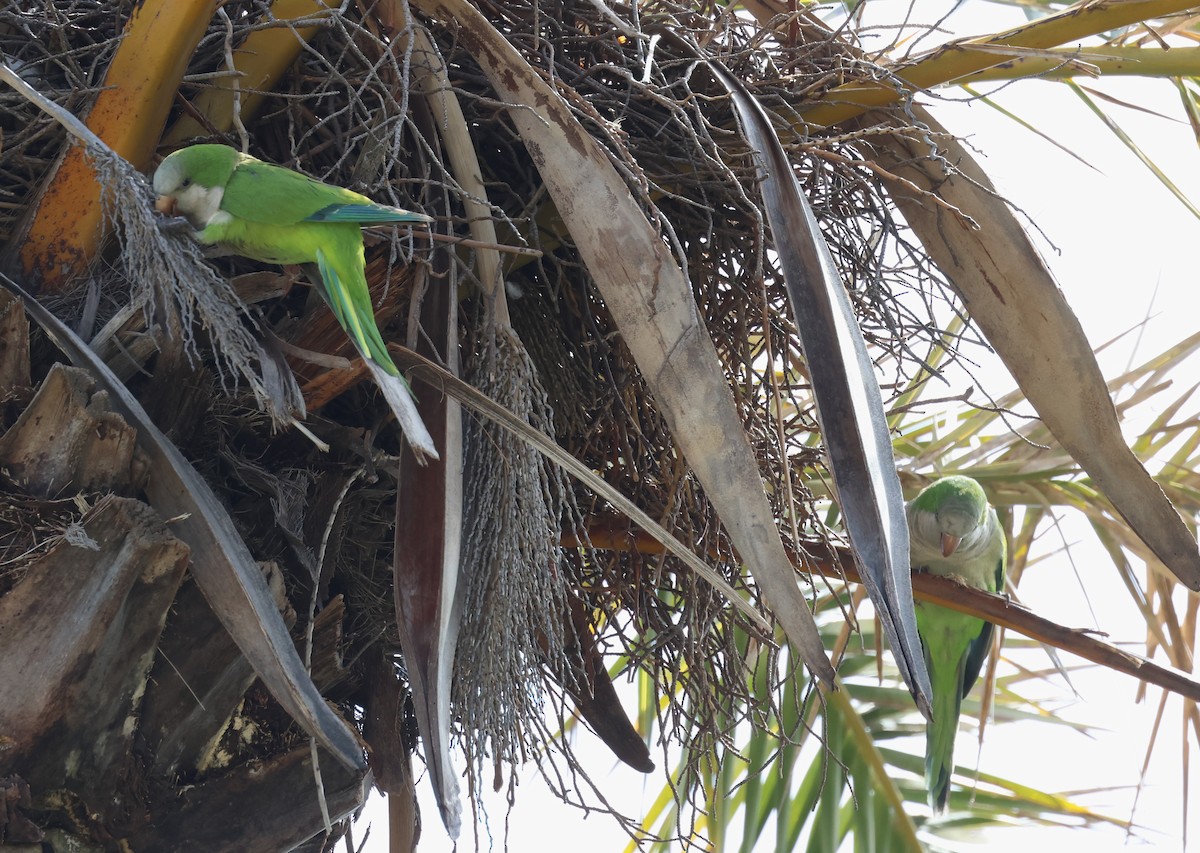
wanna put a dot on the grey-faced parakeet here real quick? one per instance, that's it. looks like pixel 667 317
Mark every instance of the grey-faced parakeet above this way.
pixel 953 531
pixel 275 215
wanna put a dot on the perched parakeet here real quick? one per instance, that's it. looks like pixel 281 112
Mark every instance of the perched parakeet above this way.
pixel 954 532
pixel 275 215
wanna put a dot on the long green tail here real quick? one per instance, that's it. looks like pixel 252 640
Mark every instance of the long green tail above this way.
pixel 346 293
pixel 350 302
pixel 939 737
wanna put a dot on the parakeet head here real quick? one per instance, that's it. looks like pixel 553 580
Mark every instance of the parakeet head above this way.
pixel 949 510
pixel 192 181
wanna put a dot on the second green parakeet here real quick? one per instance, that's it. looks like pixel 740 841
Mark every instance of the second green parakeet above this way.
pixel 953 532
pixel 275 215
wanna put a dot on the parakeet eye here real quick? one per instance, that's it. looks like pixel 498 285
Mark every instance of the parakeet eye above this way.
pixel 187 182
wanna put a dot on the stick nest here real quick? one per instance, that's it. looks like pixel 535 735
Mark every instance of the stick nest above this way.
pixel 637 82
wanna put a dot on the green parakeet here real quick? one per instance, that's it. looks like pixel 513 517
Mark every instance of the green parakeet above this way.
pixel 954 532
pixel 275 215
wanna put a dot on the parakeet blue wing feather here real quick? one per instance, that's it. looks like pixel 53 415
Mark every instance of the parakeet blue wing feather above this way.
pixel 977 653
pixel 365 213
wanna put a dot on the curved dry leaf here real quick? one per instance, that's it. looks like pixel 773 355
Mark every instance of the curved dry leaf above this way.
pixel 431 80
pixel 854 427
pixel 427 588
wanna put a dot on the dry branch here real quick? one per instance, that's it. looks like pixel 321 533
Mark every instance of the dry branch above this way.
pixel 945 592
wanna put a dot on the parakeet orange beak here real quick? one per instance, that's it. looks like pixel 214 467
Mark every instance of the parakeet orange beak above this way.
pixel 166 204
pixel 949 544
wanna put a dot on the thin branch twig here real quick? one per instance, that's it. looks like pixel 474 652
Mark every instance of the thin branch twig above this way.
pixel 995 608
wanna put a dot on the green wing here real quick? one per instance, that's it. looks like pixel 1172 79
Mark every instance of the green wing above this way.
pixel 271 195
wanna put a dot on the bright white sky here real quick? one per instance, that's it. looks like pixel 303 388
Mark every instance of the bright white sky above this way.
pixel 1121 236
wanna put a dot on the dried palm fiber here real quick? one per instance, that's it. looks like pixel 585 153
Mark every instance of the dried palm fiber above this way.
pixel 169 278
pixel 29 527
pixel 515 580
pixel 513 592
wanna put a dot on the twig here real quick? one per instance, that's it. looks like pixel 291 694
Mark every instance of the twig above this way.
pixel 995 608
pixel 468 242
pixel 872 166
pixel 333 362
pixel 322 553
pixel 235 87
pixel 64 117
